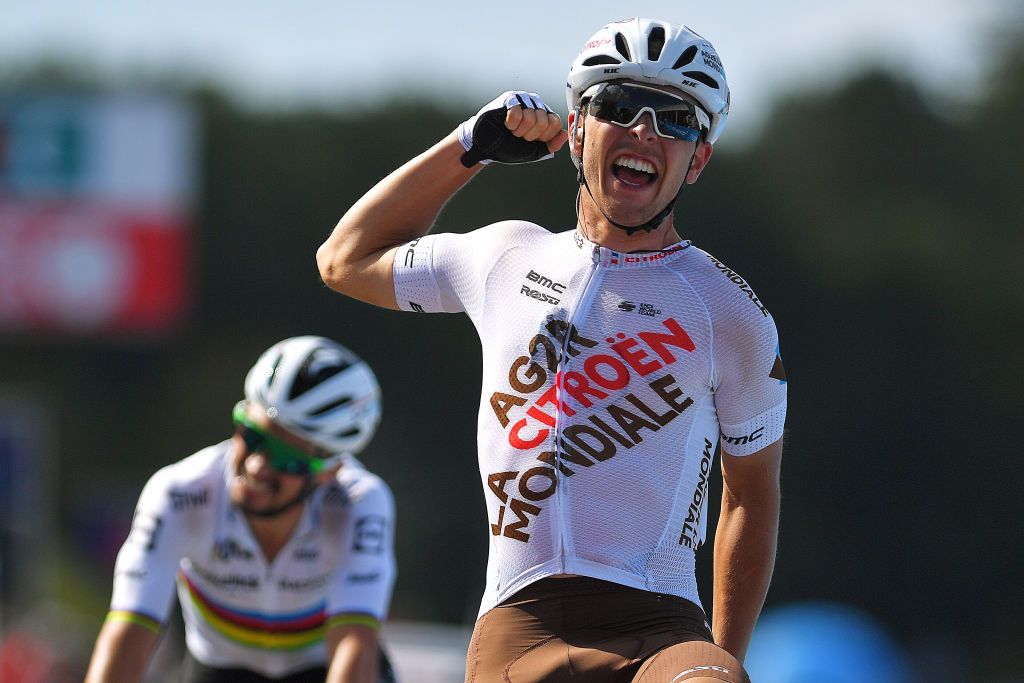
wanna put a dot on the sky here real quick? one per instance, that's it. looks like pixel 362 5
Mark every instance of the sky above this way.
pixel 329 52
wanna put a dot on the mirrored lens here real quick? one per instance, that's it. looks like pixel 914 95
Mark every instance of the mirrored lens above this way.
pixel 288 463
pixel 283 457
pixel 624 104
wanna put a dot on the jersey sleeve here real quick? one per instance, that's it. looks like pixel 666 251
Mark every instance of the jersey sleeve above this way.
pixel 360 589
pixel 144 574
pixel 751 389
pixel 447 272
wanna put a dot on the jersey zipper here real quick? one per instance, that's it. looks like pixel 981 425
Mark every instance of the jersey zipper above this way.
pixel 565 536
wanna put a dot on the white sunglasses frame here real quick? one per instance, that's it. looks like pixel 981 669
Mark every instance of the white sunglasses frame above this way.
pixel 702 116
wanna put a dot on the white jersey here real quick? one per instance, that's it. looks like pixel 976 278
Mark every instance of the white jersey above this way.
pixel 240 611
pixel 608 381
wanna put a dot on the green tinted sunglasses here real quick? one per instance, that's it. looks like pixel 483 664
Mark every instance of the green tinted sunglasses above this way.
pixel 284 457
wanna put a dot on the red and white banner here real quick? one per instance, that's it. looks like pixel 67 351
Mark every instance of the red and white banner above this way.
pixel 85 268
pixel 95 201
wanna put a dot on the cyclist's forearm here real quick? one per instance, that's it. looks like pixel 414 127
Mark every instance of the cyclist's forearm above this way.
pixel 353 655
pixel 745 544
pixel 121 652
pixel 400 208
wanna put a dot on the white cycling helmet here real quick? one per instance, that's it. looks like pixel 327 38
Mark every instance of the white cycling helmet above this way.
pixel 656 52
pixel 318 390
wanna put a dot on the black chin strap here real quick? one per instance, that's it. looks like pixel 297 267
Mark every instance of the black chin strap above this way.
pixel 656 220
pixel 630 229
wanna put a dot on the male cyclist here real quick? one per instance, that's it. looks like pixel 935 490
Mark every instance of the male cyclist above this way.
pixel 278 539
pixel 617 358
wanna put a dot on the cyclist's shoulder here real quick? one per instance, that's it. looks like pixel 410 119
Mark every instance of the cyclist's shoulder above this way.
pixel 190 483
pixel 516 229
pixel 703 263
pixel 508 234
pixel 355 486
pixel 724 291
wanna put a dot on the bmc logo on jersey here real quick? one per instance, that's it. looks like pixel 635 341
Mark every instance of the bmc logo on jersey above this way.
pixel 410 253
pixel 745 438
pixel 556 287
pixel 540 294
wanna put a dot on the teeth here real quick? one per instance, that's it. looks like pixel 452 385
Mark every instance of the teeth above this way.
pixel 636 164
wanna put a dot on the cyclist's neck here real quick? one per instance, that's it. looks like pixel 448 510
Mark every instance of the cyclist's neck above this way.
pixel 611 237
pixel 273 533
pixel 598 227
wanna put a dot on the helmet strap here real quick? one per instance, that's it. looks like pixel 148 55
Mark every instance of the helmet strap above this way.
pixel 630 229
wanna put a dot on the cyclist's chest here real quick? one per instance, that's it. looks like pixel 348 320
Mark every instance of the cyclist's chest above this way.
pixel 616 327
pixel 234 569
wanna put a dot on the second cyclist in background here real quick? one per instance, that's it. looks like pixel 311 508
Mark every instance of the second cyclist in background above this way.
pixel 278 540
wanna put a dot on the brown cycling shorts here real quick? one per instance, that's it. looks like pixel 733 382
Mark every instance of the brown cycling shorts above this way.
pixel 578 629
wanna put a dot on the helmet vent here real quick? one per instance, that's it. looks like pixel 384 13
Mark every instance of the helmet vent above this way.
pixel 685 58
pixel 319 366
pixel 702 77
pixel 331 406
pixel 318 390
pixel 600 59
pixel 655 43
pixel 623 47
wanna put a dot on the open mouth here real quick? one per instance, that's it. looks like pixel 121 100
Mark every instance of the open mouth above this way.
pixel 634 172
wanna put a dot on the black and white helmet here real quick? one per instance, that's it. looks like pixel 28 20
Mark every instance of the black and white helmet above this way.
pixel 319 390
pixel 656 52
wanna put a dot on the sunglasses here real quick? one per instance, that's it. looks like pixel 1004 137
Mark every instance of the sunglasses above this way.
pixel 624 103
pixel 284 457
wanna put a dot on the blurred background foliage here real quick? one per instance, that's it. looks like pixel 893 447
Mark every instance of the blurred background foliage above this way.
pixel 881 225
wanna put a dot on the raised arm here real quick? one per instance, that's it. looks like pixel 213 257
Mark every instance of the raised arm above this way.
pixel 356 259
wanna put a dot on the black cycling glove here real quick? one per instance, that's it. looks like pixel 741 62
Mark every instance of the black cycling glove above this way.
pixel 485 137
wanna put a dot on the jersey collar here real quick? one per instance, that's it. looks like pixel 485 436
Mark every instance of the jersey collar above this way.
pixel 608 258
